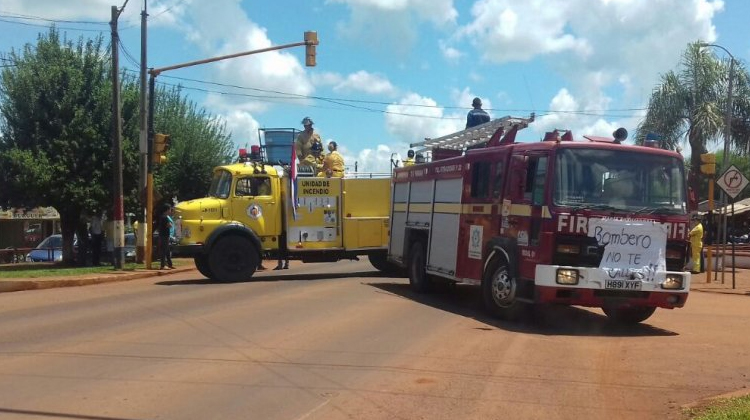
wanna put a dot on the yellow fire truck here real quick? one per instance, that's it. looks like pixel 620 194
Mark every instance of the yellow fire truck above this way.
pixel 252 212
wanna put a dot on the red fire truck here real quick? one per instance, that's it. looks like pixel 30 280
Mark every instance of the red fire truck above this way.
pixel 591 222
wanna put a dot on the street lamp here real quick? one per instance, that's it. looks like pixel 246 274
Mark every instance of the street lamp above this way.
pixel 727 135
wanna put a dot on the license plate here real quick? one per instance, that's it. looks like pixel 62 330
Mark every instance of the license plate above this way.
pixel 623 284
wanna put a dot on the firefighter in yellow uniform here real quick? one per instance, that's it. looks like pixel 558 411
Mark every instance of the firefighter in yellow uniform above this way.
pixel 696 244
pixel 409 158
pixel 314 161
pixel 305 140
pixel 333 164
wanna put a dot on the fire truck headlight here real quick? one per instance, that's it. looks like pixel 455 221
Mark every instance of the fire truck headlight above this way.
pixel 566 276
pixel 673 281
pixel 568 249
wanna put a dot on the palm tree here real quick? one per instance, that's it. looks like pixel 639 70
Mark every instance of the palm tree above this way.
pixel 690 104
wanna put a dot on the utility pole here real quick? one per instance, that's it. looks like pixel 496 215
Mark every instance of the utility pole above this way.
pixel 117 211
pixel 144 228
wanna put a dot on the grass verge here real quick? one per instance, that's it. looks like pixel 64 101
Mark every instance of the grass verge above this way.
pixel 37 270
pixel 722 409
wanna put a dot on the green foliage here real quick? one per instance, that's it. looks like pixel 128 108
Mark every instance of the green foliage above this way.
pixel 55 134
pixel 724 409
pixel 199 143
pixel 690 105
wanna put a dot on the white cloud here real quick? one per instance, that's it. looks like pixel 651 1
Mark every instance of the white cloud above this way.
pixel 449 53
pixel 416 117
pixel 593 45
pixel 398 35
pixel 243 126
pixel 363 81
pixel 437 11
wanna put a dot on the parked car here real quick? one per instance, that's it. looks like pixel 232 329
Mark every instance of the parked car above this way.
pixel 129 247
pixel 50 249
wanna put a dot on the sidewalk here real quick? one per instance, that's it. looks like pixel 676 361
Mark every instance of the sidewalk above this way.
pixel 741 282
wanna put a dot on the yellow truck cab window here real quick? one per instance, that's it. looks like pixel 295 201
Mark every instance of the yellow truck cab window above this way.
pixel 253 187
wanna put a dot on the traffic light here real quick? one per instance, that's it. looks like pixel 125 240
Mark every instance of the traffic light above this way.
pixel 311 40
pixel 161 145
pixel 708 164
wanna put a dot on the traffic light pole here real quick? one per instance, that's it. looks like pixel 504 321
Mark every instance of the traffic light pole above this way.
pixel 150 176
pixel 310 42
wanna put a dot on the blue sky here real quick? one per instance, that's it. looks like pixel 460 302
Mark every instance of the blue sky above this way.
pixel 392 72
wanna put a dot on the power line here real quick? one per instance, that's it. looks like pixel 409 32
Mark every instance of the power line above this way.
pixel 67 28
pixel 12 15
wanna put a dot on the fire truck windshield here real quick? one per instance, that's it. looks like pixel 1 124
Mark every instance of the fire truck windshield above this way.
pixel 221 184
pixel 619 180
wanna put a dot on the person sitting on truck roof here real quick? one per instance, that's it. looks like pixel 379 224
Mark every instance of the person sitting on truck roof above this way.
pixel 409 158
pixel 305 140
pixel 477 115
pixel 333 163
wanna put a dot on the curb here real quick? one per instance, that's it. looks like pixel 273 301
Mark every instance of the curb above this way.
pixel 39 284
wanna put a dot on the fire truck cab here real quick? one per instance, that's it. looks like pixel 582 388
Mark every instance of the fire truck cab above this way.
pixel 590 222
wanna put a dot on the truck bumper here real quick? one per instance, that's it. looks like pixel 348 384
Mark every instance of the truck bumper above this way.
pixel 188 250
pixel 593 289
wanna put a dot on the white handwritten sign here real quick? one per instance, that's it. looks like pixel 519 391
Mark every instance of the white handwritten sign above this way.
pixel 633 250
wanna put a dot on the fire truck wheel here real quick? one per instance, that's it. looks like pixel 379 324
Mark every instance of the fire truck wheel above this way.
pixel 381 263
pixel 628 314
pixel 232 259
pixel 499 291
pixel 418 277
pixel 201 263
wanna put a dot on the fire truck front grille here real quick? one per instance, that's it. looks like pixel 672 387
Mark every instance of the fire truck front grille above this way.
pixel 577 251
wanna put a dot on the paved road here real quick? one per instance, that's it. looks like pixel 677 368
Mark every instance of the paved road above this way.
pixel 352 345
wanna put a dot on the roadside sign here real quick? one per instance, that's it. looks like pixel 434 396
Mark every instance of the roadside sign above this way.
pixel 732 181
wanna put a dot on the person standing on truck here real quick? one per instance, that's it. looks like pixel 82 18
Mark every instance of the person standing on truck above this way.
pixel 409 158
pixel 305 140
pixel 477 115
pixel 333 163
pixel 696 244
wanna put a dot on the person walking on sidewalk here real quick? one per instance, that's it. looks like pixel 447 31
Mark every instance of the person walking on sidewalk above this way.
pixel 165 227
pixel 97 236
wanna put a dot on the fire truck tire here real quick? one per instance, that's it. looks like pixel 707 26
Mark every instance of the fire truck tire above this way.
pixel 381 263
pixel 201 263
pixel 232 259
pixel 628 314
pixel 499 291
pixel 418 278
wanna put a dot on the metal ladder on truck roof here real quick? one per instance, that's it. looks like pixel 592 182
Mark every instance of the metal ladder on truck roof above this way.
pixel 472 136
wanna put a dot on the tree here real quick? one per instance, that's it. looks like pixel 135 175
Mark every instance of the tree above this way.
pixel 690 105
pixel 199 143
pixel 55 109
pixel 55 142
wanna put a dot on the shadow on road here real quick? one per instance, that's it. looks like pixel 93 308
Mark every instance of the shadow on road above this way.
pixel 268 277
pixel 542 319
